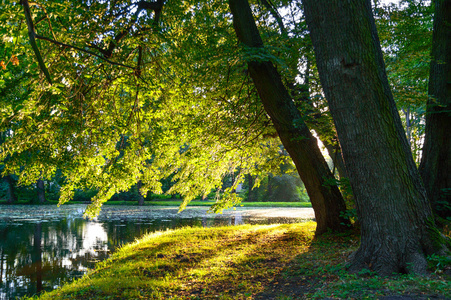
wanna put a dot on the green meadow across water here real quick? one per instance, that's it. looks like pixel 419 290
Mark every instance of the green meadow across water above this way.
pixel 242 204
pixel 176 202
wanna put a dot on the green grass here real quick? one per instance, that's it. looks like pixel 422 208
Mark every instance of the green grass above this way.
pixel 243 204
pixel 177 203
pixel 241 262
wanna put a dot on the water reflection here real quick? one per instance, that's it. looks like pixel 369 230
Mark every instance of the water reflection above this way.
pixel 37 256
pixel 40 250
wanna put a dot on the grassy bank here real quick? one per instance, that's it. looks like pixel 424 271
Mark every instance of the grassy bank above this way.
pixel 176 203
pixel 210 203
pixel 243 262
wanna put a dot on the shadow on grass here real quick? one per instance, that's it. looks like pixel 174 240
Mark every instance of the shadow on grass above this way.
pixel 320 273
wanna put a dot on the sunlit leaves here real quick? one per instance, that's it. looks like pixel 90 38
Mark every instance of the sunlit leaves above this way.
pixel 186 108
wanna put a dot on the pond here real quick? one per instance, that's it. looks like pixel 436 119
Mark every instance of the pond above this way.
pixel 42 247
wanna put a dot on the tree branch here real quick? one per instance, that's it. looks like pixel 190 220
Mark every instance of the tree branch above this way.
pixel 273 10
pixel 156 6
pixel 32 36
pixel 83 50
pixel 109 52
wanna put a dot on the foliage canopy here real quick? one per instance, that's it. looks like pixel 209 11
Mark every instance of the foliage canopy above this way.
pixel 132 94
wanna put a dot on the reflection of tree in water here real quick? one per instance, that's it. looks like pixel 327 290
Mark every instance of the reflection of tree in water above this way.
pixel 14 254
pixel 36 257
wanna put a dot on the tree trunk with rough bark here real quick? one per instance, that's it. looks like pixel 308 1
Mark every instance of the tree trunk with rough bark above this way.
pixel 397 227
pixel 296 137
pixel 252 193
pixel 140 196
pixel 12 198
pixel 435 167
pixel 269 189
pixel 41 191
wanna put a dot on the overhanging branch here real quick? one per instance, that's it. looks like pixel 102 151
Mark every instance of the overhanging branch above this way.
pixel 32 36
pixel 83 50
pixel 156 6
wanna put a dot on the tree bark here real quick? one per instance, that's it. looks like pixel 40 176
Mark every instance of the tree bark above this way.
pixel 269 189
pixel 435 167
pixel 12 198
pixel 140 196
pixel 397 227
pixel 252 193
pixel 297 139
pixel 41 191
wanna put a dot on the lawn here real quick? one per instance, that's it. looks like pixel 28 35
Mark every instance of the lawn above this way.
pixel 243 204
pixel 244 262
pixel 176 203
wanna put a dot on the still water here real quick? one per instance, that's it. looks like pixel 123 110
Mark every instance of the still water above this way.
pixel 42 247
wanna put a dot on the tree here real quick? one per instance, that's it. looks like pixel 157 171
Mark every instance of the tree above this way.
pixel 436 160
pixel 140 195
pixel 397 226
pixel 119 72
pixel 406 36
pixel 292 130
pixel 306 95
pixel 40 187
pixel 11 195
pixel 251 191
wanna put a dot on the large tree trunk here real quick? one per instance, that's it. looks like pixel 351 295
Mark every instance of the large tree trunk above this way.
pixel 140 196
pixel 435 167
pixel 252 193
pixel 41 191
pixel 11 195
pixel 397 229
pixel 326 199
pixel 269 189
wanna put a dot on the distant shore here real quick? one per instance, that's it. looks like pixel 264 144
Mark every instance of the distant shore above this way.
pixel 174 202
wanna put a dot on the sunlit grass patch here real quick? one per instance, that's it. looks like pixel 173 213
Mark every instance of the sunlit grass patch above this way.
pixel 227 262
